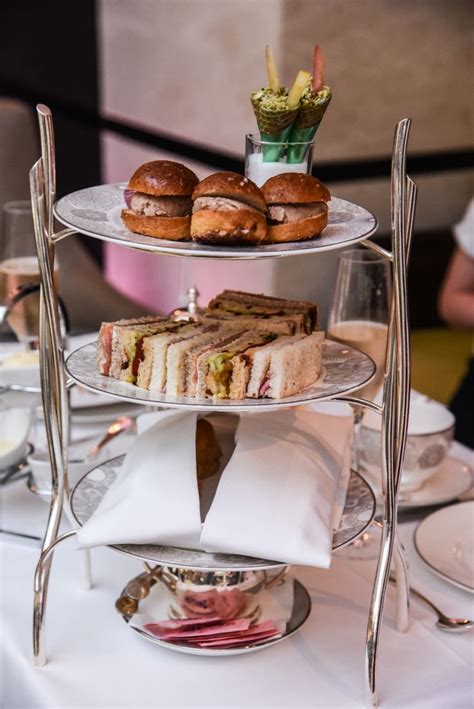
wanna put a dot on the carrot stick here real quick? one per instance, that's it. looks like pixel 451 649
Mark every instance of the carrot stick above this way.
pixel 318 69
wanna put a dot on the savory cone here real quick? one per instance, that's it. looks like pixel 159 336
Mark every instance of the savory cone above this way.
pixel 314 102
pixel 274 119
pixel 312 109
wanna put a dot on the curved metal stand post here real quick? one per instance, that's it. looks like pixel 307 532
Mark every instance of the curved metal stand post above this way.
pixel 53 384
pixel 396 398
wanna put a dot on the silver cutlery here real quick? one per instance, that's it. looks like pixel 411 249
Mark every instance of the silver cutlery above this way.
pixel 121 424
pixel 444 622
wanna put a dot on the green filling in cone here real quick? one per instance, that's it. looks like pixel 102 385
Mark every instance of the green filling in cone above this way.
pixel 310 114
pixel 274 120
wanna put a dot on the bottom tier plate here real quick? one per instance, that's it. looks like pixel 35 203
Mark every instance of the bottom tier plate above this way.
pixel 358 513
pixel 287 605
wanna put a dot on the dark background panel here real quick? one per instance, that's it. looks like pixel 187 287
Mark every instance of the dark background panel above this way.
pixel 48 53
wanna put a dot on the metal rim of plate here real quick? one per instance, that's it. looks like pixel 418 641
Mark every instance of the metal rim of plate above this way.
pixel 345 370
pixel 86 496
pixel 95 211
pixel 299 615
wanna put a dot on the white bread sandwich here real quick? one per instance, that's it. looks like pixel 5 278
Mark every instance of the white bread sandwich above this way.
pixel 286 366
pixel 223 372
pixel 106 337
pixel 127 347
pixel 152 372
pixel 182 357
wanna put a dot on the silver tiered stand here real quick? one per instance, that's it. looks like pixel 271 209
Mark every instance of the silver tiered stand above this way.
pixel 394 407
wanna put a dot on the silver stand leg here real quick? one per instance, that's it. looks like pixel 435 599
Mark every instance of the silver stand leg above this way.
pixel 53 384
pixel 395 407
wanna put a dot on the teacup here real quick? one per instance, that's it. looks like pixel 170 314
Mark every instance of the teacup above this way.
pixel 430 434
pixel 41 471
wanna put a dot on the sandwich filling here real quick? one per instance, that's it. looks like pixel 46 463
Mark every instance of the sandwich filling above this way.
pixel 221 366
pixel 147 205
pixel 288 213
pixel 221 204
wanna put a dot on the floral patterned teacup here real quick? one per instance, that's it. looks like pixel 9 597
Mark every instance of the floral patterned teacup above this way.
pixel 430 434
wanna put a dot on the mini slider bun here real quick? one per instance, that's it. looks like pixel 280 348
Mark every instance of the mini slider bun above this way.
pixel 159 200
pixel 228 209
pixel 297 208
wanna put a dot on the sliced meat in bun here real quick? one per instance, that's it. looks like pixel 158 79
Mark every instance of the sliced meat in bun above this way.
pixel 297 208
pixel 228 209
pixel 159 200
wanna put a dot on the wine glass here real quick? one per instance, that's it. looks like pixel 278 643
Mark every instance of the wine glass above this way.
pixel 19 268
pixel 359 317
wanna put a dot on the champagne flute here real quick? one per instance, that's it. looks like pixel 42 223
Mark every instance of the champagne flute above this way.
pixel 19 268
pixel 360 310
pixel 359 317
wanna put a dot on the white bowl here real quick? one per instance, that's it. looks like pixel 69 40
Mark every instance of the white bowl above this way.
pixel 41 471
pixel 430 434
pixel 15 425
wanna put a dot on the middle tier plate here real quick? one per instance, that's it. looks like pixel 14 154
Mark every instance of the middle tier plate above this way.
pixel 345 369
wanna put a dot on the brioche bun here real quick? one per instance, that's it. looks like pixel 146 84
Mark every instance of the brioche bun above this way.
pixel 163 178
pixel 298 231
pixel 222 227
pixel 232 186
pixel 294 188
pixel 172 228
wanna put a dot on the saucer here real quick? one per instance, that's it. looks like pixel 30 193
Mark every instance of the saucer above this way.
pixel 288 605
pixel 445 542
pixel 453 479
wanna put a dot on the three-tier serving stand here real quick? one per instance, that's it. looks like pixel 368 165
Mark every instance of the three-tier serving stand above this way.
pixel 55 380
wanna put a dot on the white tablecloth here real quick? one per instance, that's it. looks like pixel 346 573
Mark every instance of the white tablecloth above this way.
pixel 96 661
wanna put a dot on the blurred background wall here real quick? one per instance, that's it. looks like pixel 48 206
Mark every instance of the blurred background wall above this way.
pixel 137 80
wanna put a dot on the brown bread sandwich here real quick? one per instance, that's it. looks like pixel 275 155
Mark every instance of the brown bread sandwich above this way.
pixel 159 200
pixel 228 209
pixel 297 207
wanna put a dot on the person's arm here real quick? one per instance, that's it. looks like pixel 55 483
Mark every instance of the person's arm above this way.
pixel 456 299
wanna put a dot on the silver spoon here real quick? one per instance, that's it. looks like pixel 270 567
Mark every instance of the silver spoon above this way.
pixel 121 424
pixel 453 625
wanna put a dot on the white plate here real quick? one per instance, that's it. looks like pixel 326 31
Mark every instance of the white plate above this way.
pixel 345 369
pixel 95 211
pixel 453 479
pixel 445 541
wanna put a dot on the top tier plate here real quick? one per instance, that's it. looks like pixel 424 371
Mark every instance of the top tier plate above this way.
pixel 95 212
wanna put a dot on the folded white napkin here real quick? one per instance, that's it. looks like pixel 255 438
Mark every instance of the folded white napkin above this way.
pixel 277 496
pixel 155 498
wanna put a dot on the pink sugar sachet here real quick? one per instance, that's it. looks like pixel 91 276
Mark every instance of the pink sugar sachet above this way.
pixel 188 623
pixel 209 630
pixel 264 631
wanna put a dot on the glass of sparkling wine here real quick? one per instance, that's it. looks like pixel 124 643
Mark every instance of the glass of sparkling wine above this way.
pixel 360 310
pixel 359 317
pixel 19 267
